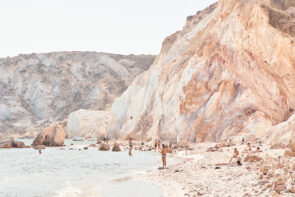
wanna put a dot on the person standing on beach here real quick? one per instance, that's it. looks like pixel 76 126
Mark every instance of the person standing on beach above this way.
pixel 130 146
pixel 164 152
pixel 159 144
pixel 156 144
pixel 236 154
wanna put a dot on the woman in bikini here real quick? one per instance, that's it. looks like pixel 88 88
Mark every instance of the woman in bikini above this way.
pixel 236 154
pixel 164 152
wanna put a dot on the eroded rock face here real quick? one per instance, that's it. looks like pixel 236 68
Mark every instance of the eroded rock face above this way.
pixel 39 89
pixel 51 136
pixel 229 71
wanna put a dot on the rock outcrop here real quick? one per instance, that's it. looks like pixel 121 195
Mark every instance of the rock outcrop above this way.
pixel 88 123
pixel 39 89
pixel 12 144
pixel 230 70
pixel 54 135
pixel 116 148
pixel 104 147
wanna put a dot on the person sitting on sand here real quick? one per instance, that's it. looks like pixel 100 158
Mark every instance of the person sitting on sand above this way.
pixel 249 147
pixel 236 154
pixel 130 146
pixel 156 144
pixel 257 150
pixel 164 152
pixel 215 148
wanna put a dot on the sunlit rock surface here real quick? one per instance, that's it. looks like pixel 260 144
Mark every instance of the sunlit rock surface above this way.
pixel 88 124
pixel 230 70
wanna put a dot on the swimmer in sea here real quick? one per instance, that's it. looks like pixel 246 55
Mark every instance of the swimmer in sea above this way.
pixel 130 146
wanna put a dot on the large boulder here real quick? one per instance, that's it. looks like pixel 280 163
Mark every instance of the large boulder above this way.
pixel 104 147
pixel 54 135
pixel 12 144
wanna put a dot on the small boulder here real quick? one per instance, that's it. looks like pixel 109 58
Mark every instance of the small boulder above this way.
pixel 280 188
pixel 289 153
pixel 116 148
pixel 78 139
pixel 292 190
pixel 104 147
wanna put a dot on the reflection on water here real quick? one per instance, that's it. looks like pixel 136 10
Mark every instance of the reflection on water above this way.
pixel 23 172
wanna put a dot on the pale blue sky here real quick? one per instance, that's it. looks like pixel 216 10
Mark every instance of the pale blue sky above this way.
pixel 115 26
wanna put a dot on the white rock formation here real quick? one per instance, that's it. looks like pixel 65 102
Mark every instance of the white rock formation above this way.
pixel 88 124
pixel 229 71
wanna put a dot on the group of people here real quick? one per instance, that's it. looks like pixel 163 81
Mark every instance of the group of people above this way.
pixel 248 150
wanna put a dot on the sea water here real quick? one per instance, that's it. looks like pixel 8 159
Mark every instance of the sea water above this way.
pixel 68 171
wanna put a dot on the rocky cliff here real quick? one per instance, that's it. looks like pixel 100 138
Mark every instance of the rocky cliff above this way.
pixel 37 89
pixel 229 72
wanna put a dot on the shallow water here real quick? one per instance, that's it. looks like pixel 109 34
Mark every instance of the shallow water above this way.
pixel 57 172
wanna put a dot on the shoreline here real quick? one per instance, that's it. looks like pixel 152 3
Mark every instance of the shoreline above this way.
pixel 203 173
pixel 208 174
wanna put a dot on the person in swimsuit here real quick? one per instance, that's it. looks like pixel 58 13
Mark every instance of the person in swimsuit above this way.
pixel 164 152
pixel 130 146
pixel 236 154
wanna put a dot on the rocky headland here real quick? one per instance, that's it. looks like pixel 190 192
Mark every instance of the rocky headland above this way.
pixel 37 90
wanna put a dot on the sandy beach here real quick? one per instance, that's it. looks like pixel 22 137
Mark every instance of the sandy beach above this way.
pixel 204 173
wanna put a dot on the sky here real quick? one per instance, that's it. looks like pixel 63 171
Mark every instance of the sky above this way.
pixel 114 26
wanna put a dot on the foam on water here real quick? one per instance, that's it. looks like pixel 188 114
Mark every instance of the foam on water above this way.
pixel 62 173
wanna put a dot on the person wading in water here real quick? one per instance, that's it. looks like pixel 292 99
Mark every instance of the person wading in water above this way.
pixel 164 153
pixel 130 146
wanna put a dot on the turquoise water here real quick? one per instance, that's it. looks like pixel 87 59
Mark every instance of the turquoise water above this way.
pixel 57 172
